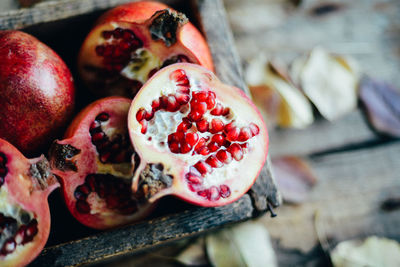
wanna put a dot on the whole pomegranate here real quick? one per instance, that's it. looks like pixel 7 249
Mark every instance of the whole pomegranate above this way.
pixel 36 92
pixel 197 138
pixel 131 42
pixel 94 166
pixel 24 213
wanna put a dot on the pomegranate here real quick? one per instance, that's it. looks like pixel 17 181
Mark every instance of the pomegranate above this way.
pixel 197 138
pixel 131 42
pixel 24 213
pixel 94 166
pixel 36 92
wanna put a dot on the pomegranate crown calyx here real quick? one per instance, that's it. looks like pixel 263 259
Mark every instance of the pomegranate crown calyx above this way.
pixel 164 25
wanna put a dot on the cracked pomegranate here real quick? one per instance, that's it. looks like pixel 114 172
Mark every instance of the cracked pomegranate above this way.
pixel 94 165
pixel 197 138
pixel 24 213
pixel 36 92
pixel 133 41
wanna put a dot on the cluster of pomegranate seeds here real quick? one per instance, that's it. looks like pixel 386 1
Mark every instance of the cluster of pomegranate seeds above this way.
pixel 12 234
pixel 116 193
pixel 117 150
pixel 211 136
pixel 118 48
pixel 3 168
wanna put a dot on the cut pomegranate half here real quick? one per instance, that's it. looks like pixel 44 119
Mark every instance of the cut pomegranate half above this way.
pixel 25 185
pixel 94 164
pixel 131 42
pixel 197 138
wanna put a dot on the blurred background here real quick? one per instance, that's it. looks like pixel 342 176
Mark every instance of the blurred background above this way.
pixel 325 75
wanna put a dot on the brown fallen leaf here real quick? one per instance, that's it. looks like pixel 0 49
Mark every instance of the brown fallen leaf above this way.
pixel 268 102
pixel 292 108
pixel 329 81
pixel 381 103
pixel 294 177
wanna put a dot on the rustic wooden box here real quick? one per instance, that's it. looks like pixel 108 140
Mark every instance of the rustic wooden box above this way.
pixel 63 25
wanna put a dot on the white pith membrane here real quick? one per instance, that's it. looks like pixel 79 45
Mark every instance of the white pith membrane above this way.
pixel 153 147
pixel 88 162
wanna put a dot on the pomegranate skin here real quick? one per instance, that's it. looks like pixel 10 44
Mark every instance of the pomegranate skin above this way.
pixel 36 92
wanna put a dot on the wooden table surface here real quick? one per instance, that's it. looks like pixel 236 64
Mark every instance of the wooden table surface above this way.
pixel 356 169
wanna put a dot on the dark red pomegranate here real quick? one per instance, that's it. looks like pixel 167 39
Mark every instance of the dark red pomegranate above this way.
pixel 36 92
pixel 197 138
pixel 131 42
pixel 94 166
pixel 24 213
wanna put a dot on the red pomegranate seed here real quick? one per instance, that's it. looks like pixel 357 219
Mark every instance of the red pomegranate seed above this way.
pixel 99 50
pixel 244 134
pixel 155 105
pixel 200 144
pixel 106 34
pixel 210 100
pixel 175 147
pixel 97 137
pixel 236 151
pixel 213 193
pixel 117 33
pixel 218 138
pixel 172 138
pixel 8 246
pixel 191 138
pixel 214 162
pixel 141 114
pixel 200 107
pixel 3 159
pixel 217 110
pixel 163 101
pixel 3 172
pixel 128 35
pixel 202 126
pixel 233 134
pixel 245 145
pixel 254 129
pixel 193 178
pixel 224 191
pixel 203 151
pixel 216 126
pixel 149 115
pixel 172 104
pixel 203 167
pixel 185 148
pixel 200 96
pixel 32 228
pixel 213 146
pixel 226 112
pixel 144 126
pixel 224 156
pixel 184 125
pixel 182 98
pixel 91 182
pixel 105 156
pixel 194 116
pixel 20 235
pixel 108 51
pixel 178 76
pixel 82 206
pixel 94 125
pixel 203 193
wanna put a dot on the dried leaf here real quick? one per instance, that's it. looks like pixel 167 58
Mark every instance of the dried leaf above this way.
pixel 194 254
pixel 294 109
pixel 330 82
pixel 374 251
pixel 268 101
pixel 294 177
pixel 382 104
pixel 247 244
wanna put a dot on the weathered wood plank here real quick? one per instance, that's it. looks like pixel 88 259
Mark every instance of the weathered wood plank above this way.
pixel 322 135
pixel 347 198
pixel 144 235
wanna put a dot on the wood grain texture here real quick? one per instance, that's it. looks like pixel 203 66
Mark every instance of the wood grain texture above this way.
pixel 346 200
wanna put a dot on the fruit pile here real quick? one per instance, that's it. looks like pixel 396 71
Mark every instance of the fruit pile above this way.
pixel 166 126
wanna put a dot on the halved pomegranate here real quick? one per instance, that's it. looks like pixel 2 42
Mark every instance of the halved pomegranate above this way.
pixel 24 213
pixel 197 138
pixel 131 42
pixel 94 164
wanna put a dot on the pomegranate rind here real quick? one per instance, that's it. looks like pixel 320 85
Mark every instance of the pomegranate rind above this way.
pixel 239 176
pixel 37 92
pixel 22 191
pixel 136 16
pixel 87 162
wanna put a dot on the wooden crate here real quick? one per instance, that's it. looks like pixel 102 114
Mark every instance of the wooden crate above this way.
pixel 63 25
